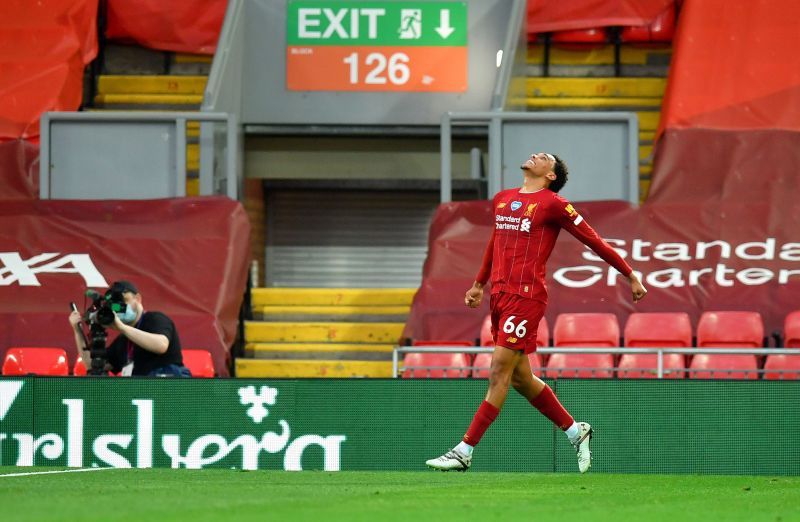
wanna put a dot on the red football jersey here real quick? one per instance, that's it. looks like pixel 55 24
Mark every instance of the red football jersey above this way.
pixel 525 231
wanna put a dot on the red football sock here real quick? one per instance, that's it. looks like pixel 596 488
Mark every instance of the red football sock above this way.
pixel 547 403
pixel 485 415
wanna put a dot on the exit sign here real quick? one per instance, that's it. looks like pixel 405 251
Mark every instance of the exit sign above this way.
pixel 376 46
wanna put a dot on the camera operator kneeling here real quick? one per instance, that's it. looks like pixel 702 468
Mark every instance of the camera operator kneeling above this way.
pixel 148 343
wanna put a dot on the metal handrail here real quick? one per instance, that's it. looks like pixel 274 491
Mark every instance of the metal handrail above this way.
pixel 659 351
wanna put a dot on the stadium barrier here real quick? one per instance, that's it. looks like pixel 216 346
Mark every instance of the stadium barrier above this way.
pixel 641 426
pixel 659 372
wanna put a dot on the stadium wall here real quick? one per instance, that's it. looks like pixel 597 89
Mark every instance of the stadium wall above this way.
pixel 642 426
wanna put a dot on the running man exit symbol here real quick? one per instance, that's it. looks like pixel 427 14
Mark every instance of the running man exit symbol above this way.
pixel 410 24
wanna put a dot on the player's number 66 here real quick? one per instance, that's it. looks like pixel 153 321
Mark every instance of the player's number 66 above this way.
pixel 519 330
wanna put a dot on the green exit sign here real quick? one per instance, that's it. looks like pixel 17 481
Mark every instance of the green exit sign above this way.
pixel 320 22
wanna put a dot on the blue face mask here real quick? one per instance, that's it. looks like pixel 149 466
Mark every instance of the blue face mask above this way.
pixel 129 316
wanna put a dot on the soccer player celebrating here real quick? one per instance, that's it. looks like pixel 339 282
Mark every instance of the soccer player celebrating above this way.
pixel 527 223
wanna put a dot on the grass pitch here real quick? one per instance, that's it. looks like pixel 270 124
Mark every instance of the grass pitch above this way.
pixel 189 495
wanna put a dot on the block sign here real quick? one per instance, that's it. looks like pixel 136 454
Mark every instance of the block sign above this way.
pixel 376 46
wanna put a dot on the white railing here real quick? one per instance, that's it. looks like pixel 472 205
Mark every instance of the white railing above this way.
pixel 660 352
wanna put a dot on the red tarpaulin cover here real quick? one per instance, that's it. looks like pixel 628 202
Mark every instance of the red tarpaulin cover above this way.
pixel 187 26
pixel 44 47
pixel 188 257
pixel 546 16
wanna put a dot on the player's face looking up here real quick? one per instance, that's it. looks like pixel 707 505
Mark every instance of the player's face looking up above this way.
pixel 540 165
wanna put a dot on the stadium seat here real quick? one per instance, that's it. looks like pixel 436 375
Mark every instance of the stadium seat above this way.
pixel 654 330
pixel 782 367
pixel 791 330
pixel 730 330
pixel 722 366
pixel 35 361
pixel 436 365
pixel 580 39
pixel 542 333
pixel 79 370
pixel 199 363
pixel 659 31
pixel 441 342
pixel 583 330
pixel 600 330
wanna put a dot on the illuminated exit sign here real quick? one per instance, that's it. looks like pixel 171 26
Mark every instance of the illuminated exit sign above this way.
pixel 376 46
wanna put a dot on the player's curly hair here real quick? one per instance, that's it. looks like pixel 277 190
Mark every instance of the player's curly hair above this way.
pixel 561 172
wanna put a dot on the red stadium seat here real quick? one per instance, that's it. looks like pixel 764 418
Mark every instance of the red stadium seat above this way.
pixel 583 365
pixel 583 330
pixel 580 39
pixel 481 365
pixel 199 362
pixel 654 330
pixel 441 342
pixel 79 370
pixel 542 333
pixel 721 366
pixel 791 330
pixel 782 367
pixel 35 361
pixel 601 330
pixel 436 365
pixel 730 330
pixel 659 31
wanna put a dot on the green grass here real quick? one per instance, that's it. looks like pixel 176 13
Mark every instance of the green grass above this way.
pixel 165 494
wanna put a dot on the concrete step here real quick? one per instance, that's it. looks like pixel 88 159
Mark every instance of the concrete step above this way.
pixel 260 368
pixel 149 101
pixel 322 332
pixel 364 314
pixel 151 84
pixel 604 55
pixel 592 103
pixel 332 296
pixel 596 87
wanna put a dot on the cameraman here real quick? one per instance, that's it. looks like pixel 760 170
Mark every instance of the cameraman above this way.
pixel 148 343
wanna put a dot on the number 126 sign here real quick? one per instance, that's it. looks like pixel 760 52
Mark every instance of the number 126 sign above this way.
pixel 376 46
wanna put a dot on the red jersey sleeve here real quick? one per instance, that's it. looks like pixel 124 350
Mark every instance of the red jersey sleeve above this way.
pixel 571 221
pixel 486 265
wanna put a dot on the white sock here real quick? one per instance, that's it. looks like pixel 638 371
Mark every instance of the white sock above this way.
pixel 573 431
pixel 464 448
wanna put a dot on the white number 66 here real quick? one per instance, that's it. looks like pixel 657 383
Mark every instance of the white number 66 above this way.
pixel 518 329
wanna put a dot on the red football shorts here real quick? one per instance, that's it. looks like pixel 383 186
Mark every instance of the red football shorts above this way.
pixel 515 321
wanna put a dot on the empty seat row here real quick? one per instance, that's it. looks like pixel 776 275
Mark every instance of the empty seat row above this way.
pixel 644 330
pixel 660 30
pixel 53 361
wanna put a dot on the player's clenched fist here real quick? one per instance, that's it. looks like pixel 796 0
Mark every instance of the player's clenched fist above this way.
pixel 474 296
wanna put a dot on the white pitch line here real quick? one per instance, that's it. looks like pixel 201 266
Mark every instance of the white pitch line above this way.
pixel 51 472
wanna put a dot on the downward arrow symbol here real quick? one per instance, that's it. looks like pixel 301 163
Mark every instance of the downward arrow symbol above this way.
pixel 444 28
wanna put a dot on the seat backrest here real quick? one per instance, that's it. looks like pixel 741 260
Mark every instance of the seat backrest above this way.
pixel 723 366
pixel 481 366
pixel 730 330
pixel 791 330
pixel 660 30
pixel 782 367
pixel 80 370
pixel 436 365
pixel 35 361
pixel 643 330
pixel 600 330
pixel 199 362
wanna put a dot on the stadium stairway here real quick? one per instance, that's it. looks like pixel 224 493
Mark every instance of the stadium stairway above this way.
pixel 583 80
pixel 323 332
pixel 138 79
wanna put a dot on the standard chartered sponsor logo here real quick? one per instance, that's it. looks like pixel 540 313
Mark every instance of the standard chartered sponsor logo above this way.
pixel 117 449
pixel 678 264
